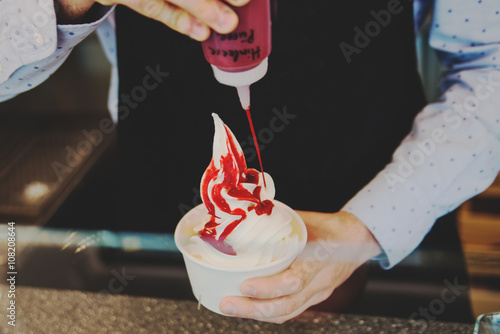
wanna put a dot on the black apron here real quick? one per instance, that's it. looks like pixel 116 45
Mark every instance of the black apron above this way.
pixel 339 96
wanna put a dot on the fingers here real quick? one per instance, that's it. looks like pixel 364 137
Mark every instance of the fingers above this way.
pixel 213 13
pixel 276 310
pixel 288 282
pixel 190 17
pixel 283 296
pixel 169 14
pixel 238 3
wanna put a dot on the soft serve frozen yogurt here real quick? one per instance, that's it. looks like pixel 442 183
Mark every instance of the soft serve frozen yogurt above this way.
pixel 244 226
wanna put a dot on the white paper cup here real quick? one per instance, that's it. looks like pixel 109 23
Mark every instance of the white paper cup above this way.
pixel 211 284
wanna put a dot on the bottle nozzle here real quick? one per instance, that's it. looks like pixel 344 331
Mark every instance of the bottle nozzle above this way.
pixel 244 95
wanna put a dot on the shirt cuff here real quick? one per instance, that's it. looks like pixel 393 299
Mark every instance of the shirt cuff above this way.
pixel 69 35
pixel 398 217
pixel 32 35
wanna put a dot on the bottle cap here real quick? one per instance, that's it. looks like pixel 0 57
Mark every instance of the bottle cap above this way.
pixel 244 78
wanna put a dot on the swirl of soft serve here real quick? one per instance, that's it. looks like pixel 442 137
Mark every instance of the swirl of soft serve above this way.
pixel 243 227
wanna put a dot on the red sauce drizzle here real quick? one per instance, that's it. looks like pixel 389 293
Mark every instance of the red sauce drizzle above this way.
pixel 256 144
pixel 234 169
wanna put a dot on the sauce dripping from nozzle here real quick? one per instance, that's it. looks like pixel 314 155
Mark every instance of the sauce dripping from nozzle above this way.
pixel 244 95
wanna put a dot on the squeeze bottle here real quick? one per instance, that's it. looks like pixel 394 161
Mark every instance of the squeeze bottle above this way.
pixel 239 58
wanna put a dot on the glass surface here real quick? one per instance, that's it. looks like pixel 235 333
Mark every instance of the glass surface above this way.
pixel 488 323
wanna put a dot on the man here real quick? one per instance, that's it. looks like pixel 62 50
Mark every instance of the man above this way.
pixel 341 93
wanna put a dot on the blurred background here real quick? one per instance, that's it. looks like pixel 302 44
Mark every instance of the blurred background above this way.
pixel 40 183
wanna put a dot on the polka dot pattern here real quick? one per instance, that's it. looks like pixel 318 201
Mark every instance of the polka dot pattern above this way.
pixel 453 150
pixel 469 28
pixel 31 51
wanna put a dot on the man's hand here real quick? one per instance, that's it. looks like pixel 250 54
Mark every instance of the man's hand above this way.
pixel 190 17
pixel 338 243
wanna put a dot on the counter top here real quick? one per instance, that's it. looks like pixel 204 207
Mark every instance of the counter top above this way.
pixel 68 311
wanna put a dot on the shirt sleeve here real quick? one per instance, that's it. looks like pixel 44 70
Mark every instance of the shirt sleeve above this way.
pixel 33 45
pixel 453 150
pixel 107 36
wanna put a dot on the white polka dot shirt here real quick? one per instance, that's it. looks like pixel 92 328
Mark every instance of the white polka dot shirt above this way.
pixel 453 150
